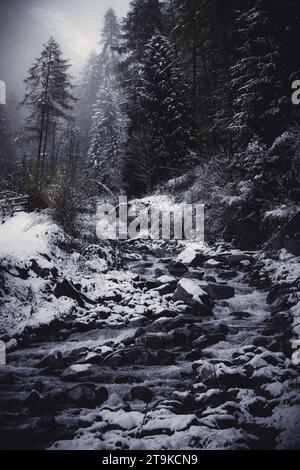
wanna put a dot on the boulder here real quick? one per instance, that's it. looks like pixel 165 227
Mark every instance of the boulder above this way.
pixel 158 252
pixel 236 258
pixel 142 393
pixel 191 294
pixel 191 258
pixel 83 394
pixel 177 269
pixel 227 275
pixel 212 264
pixel 219 291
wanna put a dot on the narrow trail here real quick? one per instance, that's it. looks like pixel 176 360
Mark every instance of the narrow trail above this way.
pixel 171 379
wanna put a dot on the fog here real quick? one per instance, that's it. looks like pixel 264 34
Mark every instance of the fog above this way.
pixel 26 24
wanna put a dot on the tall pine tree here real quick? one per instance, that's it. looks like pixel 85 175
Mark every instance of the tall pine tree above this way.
pixel 49 97
pixel 164 118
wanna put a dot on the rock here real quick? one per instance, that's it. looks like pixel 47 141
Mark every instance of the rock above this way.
pixel 34 398
pixel 142 393
pixel 259 406
pixel 76 371
pixel 273 390
pixel 158 252
pixel 166 289
pixel 177 269
pixel 101 395
pixel 257 362
pixel 219 291
pixel 191 258
pixel 83 394
pixel 209 279
pixel 236 258
pixel 191 293
pixel 67 289
pixel 195 274
pixel 240 315
pixel 227 275
pixel 11 345
pixel 166 280
pixel 205 371
pixel 54 360
pixel 155 340
pixel 212 263
pixel 230 376
pixel 39 270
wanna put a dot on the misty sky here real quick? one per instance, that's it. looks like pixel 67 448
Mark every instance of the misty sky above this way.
pixel 26 24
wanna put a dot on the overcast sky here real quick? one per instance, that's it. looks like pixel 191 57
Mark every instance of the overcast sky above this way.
pixel 26 24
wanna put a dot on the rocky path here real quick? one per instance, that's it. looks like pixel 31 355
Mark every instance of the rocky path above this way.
pixel 185 355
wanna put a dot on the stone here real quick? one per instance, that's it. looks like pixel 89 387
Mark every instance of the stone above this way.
pixel 142 393
pixel 219 291
pixel 236 258
pixel 191 258
pixel 212 263
pixel 227 275
pixel 101 395
pixel 158 252
pixel 177 269
pixel 192 294
pixel 11 345
pixel 260 407
pixel 53 360
pixel 83 394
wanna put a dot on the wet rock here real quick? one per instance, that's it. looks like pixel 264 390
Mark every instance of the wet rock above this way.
pixel 166 289
pixel 209 279
pixel 227 275
pixel 195 274
pixel 240 315
pixel 76 371
pixel 158 252
pixel 177 269
pixel 191 293
pixel 142 393
pixel 155 340
pixel 219 291
pixel 54 360
pixel 236 259
pixel 34 398
pixel 83 395
pixel 101 395
pixel 11 345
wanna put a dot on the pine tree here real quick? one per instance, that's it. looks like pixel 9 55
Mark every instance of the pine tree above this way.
pixel 48 96
pixel 7 150
pixel 99 67
pixel 143 19
pixel 164 110
pixel 105 153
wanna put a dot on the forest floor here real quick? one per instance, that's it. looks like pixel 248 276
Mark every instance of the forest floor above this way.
pixel 179 348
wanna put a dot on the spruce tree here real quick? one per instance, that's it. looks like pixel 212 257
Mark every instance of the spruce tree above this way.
pixel 49 97
pixel 107 133
pixel 163 112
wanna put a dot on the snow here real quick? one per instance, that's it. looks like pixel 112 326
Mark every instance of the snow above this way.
pixel 26 235
pixel 192 288
pixel 187 256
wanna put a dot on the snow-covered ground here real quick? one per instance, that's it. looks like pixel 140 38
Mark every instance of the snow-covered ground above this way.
pixel 174 350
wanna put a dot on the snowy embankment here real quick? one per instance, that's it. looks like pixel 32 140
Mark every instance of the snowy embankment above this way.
pixel 36 264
